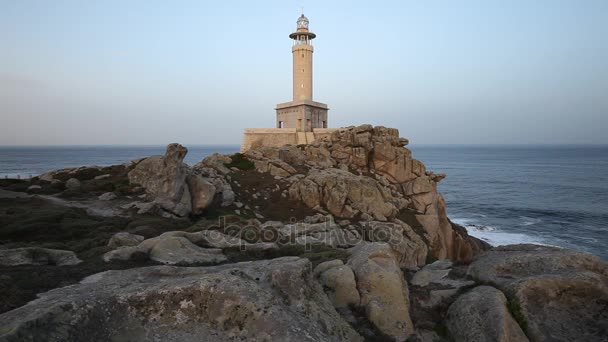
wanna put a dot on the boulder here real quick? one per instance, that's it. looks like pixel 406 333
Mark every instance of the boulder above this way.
pixel 324 266
pixel 217 162
pixel 216 239
pixel 383 289
pixel 505 265
pixel 410 249
pixel 558 294
pixel 72 184
pixel 37 256
pixel 179 250
pixel 341 286
pixel 202 193
pixel 123 239
pixel 482 315
pixel 108 196
pixel 270 300
pixel 126 253
pixel 432 273
pixel 164 180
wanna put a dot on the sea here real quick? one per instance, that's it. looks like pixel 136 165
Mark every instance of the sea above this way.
pixel 551 195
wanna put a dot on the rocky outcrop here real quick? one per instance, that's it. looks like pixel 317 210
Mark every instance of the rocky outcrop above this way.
pixel 365 173
pixel 345 195
pixel 37 256
pixel 264 300
pixel 169 184
pixel 213 171
pixel 383 289
pixel 164 179
pixel 559 294
pixel 482 315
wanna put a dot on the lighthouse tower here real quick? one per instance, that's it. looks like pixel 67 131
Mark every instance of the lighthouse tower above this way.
pixel 302 113
pixel 302 120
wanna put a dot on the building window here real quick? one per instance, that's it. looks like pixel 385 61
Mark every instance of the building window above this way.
pixel 302 55
pixel 324 124
pixel 280 124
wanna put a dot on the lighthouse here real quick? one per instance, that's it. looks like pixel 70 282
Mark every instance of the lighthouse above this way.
pixel 301 120
pixel 302 113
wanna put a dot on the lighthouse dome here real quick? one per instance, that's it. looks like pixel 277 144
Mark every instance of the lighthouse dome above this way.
pixel 303 22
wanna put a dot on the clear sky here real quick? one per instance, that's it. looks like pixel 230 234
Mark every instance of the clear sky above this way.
pixel 199 72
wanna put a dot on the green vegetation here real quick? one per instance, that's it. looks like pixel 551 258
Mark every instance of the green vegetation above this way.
pixel 515 310
pixel 240 162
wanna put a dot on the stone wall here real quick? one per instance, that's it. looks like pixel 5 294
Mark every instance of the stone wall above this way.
pixel 257 137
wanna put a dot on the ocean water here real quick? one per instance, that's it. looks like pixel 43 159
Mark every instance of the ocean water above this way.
pixel 32 161
pixel 554 195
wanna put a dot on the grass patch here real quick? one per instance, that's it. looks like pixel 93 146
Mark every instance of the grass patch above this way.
pixel 240 162
pixel 515 310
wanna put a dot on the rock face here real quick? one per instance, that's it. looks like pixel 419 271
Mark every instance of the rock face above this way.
pixel 561 295
pixel 482 315
pixel 37 256
pixel 366 173
pixel 273 300
pixel 383 289
pixel 344 194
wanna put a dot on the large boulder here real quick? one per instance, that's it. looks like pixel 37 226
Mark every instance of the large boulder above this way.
pixel 202 193
pixel 559 295
pixel 164 180
pixel 72 184
pixel 271 300
pixel 339 281
pixel 37 256
pixel 383 289
pixel 410 249
pixel 179 250
pixel 482 315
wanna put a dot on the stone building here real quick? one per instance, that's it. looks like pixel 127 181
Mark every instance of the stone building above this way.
pixel 301 120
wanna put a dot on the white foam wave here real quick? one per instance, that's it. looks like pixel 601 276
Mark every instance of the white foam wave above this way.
pixel 528 221
pixel 493 235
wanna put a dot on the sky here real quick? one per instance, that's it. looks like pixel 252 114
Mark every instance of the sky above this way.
pixel 146 72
